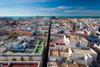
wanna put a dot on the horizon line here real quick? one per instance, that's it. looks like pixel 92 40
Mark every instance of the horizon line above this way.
pixel 38 15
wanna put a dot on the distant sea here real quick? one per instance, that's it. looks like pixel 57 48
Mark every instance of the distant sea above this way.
pixel 23 17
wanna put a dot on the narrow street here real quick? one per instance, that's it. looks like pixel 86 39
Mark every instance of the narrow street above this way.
pixel 46 50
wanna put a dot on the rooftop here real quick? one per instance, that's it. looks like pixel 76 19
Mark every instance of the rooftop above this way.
pixel 86 51
pixel 2 48
pixel 52 64
pixel 64 65
pixel 83 39
pixel 23 65
pixel 39 49
pixel 72 65
pixel 53 53
pixel 74 36
pixel 72 39
pixel 63 53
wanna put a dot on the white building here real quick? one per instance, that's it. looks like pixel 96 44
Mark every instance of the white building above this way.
pixel 83 56
pixel 74 41
pixel 83 42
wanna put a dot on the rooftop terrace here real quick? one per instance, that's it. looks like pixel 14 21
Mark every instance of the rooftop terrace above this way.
pixel 53 53
pixel 72 39
pixel 72 65
pixel 63 53
pixel 39 49
pixel 35 50
pixel 52 64
pixel 86 51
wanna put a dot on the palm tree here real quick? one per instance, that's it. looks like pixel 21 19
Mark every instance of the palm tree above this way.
pixel 22 59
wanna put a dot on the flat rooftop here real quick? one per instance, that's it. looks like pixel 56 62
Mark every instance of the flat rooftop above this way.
pixel 86 51
pixel 74 36
pixel 53 53
pixel 64 65
pixel 39 49
pixel 52 64
pixel 72 39
pixel 72 65
pixel 63 53
pixel 56 40
pixel 35 50
pixel 83 39
pixel 2 48
pixel 36 47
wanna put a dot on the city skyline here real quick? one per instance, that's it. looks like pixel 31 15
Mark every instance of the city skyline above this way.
pixel 50 8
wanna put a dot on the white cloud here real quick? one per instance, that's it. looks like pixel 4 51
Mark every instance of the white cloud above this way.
pixel 63 7
pixel 47 9
pixel 83 11
pixel 54 9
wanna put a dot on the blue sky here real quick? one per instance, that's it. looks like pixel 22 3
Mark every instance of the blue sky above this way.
pixel 50 7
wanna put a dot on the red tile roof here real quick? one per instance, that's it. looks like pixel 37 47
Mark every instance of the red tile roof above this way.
pixel 5 65
pixel 23 65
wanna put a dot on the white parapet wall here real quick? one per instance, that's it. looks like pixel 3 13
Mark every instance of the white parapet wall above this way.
pixel 18 58
pixel 84 62
pixel 89 59
pixel 94 54
pixel 83 44
pixel 70 51
pixel 66 40
pixel 61 47
pixel 75 56
pixel 72 43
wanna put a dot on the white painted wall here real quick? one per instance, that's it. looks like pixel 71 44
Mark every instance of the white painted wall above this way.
pixel 89 59
pixel 66 39
pixel 18 58
pixel 77 41
pixel 37 58
pixel 84 62
pixel 75 56
pixel 94 54
pixel 61 47
pixel 83 43
pixel 70 51
pixel 72 44
pixel 26 58
pixel 97 46
pixel 53 58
